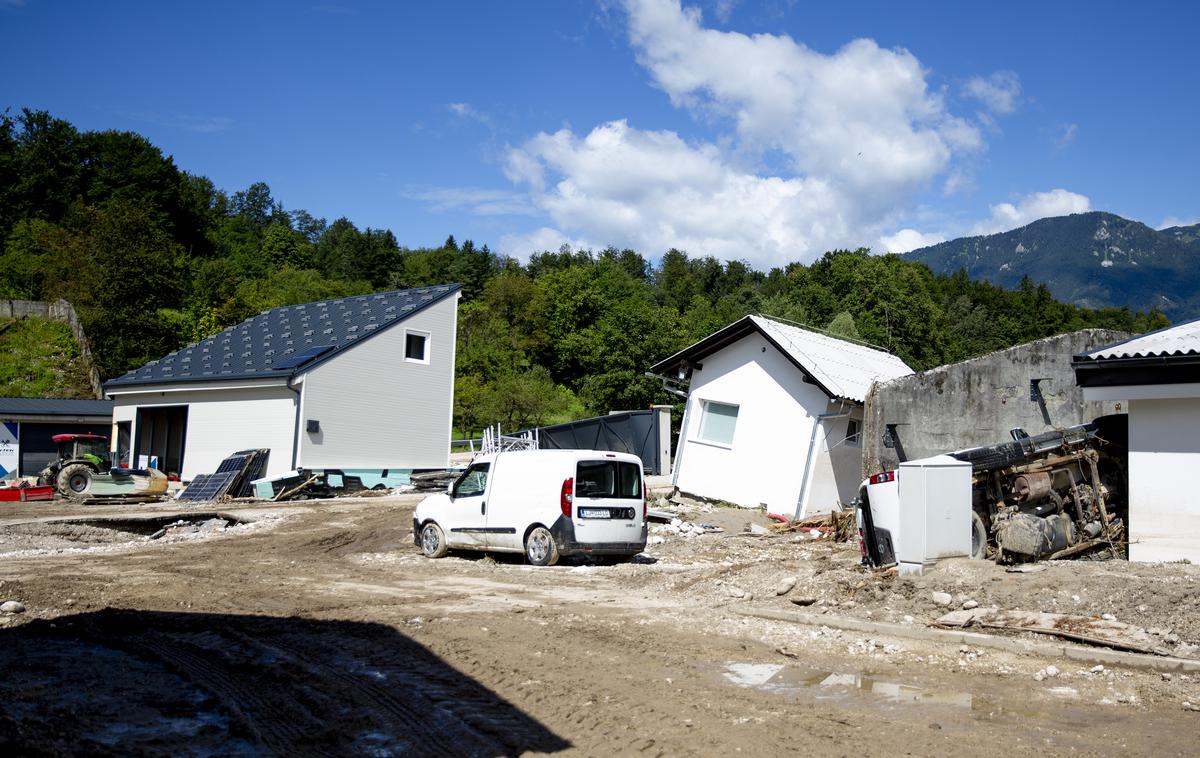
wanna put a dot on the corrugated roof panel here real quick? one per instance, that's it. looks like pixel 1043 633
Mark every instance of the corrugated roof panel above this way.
pixel 845 369
pixel 1183 339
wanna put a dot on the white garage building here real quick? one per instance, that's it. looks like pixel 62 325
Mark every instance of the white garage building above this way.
pixel 774 415
pixel 1157 377
pixel 364 384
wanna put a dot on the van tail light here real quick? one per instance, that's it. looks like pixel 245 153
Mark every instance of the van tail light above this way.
pixel 645 498
pixel 566 496
pixel 886 476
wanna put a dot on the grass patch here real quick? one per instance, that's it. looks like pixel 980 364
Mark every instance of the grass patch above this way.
pixel 39 358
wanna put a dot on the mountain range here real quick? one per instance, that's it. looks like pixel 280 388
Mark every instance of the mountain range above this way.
pixel 1093 260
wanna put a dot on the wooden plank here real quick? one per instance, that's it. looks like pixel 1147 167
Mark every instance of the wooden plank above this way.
pixel 1095 631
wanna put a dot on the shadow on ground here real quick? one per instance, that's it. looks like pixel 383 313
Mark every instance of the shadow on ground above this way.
pixel 124 682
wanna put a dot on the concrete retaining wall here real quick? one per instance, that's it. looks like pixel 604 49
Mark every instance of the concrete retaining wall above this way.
pixel 977 402
pixel 59 310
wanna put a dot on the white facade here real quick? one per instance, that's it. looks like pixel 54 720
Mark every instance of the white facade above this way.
pixel 221 420
pixel 767 457
pixel 1164 453
pixel 379 410
pixel 371 404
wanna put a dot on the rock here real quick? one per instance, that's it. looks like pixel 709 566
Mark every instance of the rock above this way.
pixel 970 605
pixel 1075 599
pixel 1051 671
pixel 735 592
pixel 1097 669
pixel 1171 639
pixel 657 539
pixel 804 601
pixel 1039 676
pixel 785 585
pixel 1108 617
pixel 676 522
pixel 941 598
pixel 12 606
pixel 756 529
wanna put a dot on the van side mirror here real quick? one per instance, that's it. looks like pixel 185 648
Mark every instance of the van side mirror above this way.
pixel 450 490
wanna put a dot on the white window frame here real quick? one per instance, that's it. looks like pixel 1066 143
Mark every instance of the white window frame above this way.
pixel 417 333
pixel 701 427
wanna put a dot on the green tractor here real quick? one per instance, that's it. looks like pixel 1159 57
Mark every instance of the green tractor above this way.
pixel 81 458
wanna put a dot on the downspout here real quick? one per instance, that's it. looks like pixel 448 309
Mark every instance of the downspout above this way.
pixel 296 431
pixel 808 461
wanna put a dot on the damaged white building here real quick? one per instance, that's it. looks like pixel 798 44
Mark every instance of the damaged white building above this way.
pixel 774 415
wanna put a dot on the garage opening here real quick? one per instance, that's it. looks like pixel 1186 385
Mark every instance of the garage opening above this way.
pixel 160 438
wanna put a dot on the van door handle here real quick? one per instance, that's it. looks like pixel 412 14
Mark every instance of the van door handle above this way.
pixel 482 509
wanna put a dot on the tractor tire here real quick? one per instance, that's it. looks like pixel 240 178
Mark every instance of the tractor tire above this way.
pixel 75 481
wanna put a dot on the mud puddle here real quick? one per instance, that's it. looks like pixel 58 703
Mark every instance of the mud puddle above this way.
pixel 781 679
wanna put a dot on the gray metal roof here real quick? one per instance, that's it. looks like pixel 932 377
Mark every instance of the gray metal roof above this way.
pixel 1180 340
pixel 49 406
pixel 841 368
pixel 269 345
pixel 844 369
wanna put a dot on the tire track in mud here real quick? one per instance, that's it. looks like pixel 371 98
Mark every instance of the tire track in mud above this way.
pixel 286 686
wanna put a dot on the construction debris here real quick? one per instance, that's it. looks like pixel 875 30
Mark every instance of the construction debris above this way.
pixel 1102 631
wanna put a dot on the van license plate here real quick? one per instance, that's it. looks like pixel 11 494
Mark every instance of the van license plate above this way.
pixel 594 513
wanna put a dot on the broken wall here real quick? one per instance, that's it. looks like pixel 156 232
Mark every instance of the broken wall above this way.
pixel 977 402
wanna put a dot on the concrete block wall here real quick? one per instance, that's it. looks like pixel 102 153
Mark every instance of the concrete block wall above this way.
pixel 977 402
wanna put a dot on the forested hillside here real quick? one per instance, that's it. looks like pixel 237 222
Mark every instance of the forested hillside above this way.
pixel 154 257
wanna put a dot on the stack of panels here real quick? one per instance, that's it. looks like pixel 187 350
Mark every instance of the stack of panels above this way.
pixel 233 477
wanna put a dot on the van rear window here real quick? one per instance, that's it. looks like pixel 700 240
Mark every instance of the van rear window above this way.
pixel 610 479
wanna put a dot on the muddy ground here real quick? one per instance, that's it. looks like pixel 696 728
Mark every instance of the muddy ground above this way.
pixel 319 629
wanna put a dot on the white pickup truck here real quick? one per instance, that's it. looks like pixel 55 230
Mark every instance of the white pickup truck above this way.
pixel 544 503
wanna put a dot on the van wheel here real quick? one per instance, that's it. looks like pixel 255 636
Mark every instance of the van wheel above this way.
pixel 978 537
pixel 540 549
pixel 433 541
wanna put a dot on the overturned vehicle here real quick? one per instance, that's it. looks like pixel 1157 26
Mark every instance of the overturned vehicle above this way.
pixel 1052 495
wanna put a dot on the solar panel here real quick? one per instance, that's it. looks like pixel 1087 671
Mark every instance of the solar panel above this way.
pixel 235 462
pixel 302 357
pixel 208 487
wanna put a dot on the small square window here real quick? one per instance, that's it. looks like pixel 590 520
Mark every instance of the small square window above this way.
pixel 416 347
pixel 717 422
pixel 853 438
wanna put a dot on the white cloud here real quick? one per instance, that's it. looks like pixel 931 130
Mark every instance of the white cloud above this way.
pixel 1067 134
pixel 907 240
pixel 653 191
pixel 522 246
pixel 479 200
pixel 860 131
pixel 1036 205
pixel 1000 92
pixel 863 116
pixel 468 111
pixel 1170 221
pixel 723 9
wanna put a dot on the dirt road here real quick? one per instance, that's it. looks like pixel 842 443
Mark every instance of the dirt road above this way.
pixel 319 629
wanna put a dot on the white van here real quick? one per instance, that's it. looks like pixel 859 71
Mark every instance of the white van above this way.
pixel 544 503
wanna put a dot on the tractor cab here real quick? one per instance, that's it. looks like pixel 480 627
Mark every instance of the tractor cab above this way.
pixel 90 448
pixel 81 457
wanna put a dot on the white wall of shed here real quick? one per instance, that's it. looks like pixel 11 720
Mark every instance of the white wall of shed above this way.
pixel 221 422
pixel 837 466
pixel 378 410
pixel 776 413
pixel 1164 507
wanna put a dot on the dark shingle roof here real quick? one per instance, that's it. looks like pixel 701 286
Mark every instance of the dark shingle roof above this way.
pixel 49 406
pixel 269 344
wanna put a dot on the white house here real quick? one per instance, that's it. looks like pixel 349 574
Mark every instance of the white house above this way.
pixel 1157 378
pixel 774 414
pixel 364 384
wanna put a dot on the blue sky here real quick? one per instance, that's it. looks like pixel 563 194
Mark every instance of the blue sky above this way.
pixel 767 131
